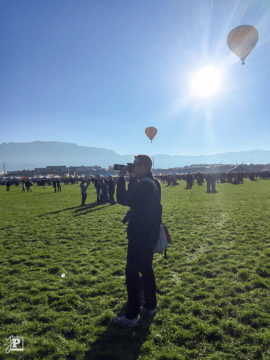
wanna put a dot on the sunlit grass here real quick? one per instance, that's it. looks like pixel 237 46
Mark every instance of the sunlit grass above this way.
pixel 212 290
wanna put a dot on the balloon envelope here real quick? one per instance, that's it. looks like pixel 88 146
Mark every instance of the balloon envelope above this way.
pixel 242 40
pixel 151 132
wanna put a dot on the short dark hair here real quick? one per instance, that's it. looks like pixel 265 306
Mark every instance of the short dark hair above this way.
pixel 144 160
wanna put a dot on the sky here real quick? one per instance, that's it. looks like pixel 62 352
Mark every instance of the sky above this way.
pixel 97 73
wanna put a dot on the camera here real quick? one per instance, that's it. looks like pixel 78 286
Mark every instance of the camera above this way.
pixel 127 167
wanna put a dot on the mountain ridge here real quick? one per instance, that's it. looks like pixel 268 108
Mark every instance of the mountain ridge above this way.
pixel 38 154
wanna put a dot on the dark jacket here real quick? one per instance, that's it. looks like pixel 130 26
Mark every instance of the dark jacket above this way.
pixel 97 184
pixel 145 212
pixel 111 187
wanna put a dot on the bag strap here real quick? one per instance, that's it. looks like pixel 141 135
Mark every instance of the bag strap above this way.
pixel 152 181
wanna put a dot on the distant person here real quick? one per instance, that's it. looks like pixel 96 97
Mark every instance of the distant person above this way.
pixel 111 190
pixel 189 181
pixel 208 182
pixel 54 185
pixel 59 185
pixel 103 192
pixel 97 186
pixel 83 192
pixel 23 187
pixel 28 185
pixel 213 182
pixel 8 185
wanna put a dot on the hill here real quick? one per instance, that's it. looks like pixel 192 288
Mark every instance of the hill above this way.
pixel 19 156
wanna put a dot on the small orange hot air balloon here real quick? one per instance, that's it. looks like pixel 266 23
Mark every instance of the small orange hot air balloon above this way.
pixel 242 40
pixel 151 132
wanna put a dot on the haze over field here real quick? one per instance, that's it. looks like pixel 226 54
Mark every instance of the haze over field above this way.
pixel 98 73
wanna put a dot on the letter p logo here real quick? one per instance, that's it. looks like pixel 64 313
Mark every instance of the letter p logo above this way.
pixel 16 342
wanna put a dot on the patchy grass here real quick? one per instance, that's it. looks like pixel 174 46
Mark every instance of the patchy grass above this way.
pixel 212 291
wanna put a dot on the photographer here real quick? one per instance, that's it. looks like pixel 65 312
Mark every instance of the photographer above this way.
pixel 144 219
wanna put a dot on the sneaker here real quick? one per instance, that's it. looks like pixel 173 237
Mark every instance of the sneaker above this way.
pixel 149 313
pixel 123 321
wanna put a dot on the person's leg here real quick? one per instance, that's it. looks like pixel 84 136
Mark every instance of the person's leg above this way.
pixel 149 280
pixel 133 283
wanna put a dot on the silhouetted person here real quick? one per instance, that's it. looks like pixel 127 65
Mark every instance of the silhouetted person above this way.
pixel 97 186
pixel 111 190
pixel 59 185
pixel 83 192
pixel 28 185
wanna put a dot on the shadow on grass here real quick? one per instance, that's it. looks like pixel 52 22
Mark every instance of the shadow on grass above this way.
pixel 83 210
pixel 80 210
pixel 120 343
pixel 59 211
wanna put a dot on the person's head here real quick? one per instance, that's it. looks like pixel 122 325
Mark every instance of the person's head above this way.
pixel 142 165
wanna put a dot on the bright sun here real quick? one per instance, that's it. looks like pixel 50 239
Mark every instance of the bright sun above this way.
pixel 206 81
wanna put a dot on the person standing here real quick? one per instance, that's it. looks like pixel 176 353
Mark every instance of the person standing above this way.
pixel 59 185
pixel 208 181
pixel 111 190
pixel 28 185
pixel 83 192
pixel 8 185
pixel 103 187
pixel 54 185
pixel 213 183
pixel 144 219
pixel 97 186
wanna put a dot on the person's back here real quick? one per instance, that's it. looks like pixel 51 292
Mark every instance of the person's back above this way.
pixel 83 188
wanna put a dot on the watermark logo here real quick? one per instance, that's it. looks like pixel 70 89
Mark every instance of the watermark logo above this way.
pixel 16 344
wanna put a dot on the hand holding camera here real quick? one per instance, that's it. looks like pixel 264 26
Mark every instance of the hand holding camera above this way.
pixel 123 169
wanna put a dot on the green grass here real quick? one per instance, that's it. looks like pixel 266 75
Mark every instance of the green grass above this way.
pixel 212 291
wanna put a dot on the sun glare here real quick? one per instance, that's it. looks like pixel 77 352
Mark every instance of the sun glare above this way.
pixel 206 82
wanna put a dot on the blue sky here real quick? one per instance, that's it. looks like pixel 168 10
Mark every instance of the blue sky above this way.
pixel 97 73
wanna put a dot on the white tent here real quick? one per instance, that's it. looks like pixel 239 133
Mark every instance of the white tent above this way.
pixel 239 168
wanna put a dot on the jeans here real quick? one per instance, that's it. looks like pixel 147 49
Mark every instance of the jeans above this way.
pixel 139 260
pixel 84 196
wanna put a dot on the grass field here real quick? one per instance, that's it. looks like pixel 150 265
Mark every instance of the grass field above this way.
pixel 212 290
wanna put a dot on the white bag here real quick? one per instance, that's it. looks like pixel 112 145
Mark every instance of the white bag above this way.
pixel 162 242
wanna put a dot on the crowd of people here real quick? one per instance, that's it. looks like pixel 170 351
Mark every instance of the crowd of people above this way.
pixel 105 187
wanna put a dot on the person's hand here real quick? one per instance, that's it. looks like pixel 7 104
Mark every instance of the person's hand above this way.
pixel 122 173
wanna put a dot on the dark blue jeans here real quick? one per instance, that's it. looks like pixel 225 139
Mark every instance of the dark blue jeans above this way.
pixel 139 260
pixel 84 196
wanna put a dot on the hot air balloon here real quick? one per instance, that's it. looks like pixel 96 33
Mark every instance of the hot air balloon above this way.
pixel 242 40
pixel 151 132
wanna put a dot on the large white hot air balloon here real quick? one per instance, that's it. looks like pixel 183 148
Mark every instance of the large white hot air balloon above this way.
pixel 242 40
